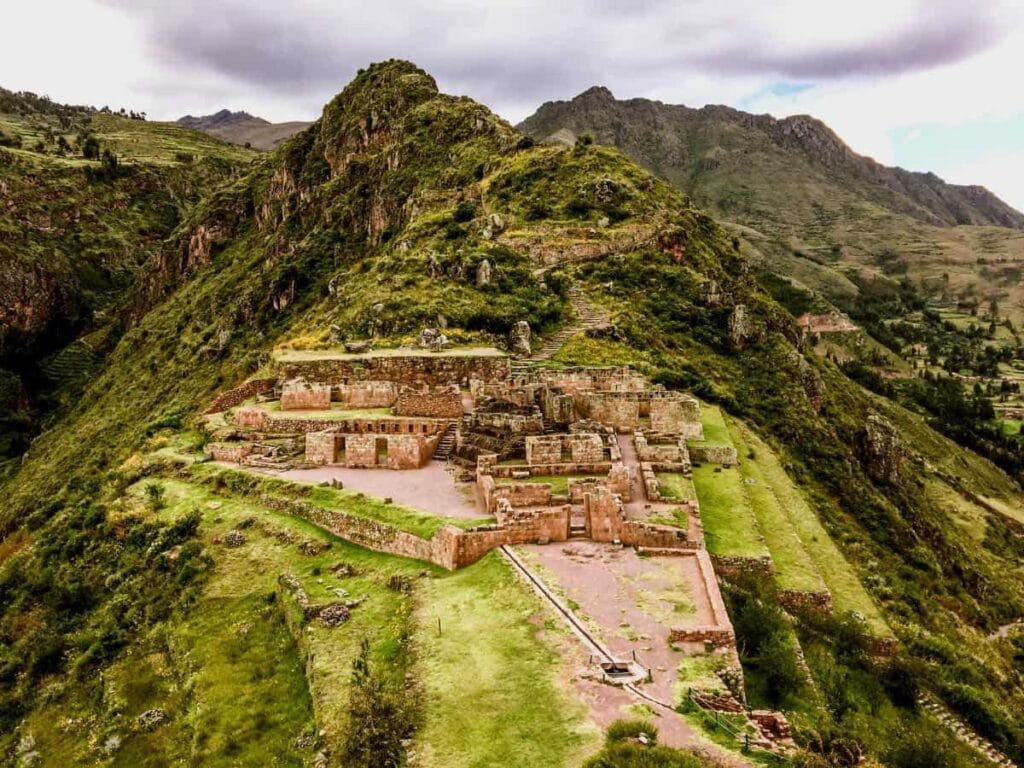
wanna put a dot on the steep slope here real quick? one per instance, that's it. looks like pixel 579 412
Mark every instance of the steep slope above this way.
pixel 377 218
pixel 815 210
pixel 243 128
pixel 75 232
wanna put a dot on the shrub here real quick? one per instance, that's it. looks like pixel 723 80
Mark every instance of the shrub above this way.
pixel 623 730
pixel 464 211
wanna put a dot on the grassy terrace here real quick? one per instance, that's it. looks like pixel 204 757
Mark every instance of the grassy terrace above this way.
pixel 676 486
pixel 715 430
pixel 341 500
pixel 730 525
pixel 337 412
pixel 848 594
pixel 794 568
pixel 488 700
pixel 340 354
pixel 249 698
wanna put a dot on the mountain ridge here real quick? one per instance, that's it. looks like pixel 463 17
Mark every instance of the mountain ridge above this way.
pixel 243 128
pixel 922 195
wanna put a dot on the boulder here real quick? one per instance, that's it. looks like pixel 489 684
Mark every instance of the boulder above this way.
pixel 151 718
pixel 520 339
pixel 483 274
pixel 741 328
pixel 882 450
pixel 358 347
pixel 233 538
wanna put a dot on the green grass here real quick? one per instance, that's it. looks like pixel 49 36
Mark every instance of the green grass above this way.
pixel 794 568
pixel 848 594
pixel 236 611
pixel 730 526
pixel 337 412
pixel 676 485
pixel 338 499
pixel 715 430
pixel 490 676
pixel 1011 426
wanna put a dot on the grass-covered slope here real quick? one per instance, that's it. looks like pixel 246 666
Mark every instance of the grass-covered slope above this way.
pixel 89 198
pixel 376 219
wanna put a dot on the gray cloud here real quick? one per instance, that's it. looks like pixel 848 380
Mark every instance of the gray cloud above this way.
pixel 516 56
pixel 941 38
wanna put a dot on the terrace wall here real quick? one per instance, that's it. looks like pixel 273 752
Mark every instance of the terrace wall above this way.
pixel 674 413
pixel 241 393
pixel 299 396
pixel 426 370
pixel 713 454
pixel 367 394
pixel 444 404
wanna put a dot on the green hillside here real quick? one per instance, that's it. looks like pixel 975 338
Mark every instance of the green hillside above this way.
pixel 117 599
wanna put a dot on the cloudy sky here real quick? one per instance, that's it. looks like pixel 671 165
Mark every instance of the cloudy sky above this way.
pixel 925 84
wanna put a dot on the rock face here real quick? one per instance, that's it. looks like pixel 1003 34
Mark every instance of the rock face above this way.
pixel 740 327
pixel 882 450
pixel 809 380
pixel 483 274
pixel 520 339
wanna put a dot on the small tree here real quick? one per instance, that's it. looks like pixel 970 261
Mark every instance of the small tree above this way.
pixel 91 148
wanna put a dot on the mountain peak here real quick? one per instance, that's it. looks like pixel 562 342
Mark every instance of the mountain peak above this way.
pixel 596 93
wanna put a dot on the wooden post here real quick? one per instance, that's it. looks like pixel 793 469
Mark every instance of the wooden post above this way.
pixel 438 626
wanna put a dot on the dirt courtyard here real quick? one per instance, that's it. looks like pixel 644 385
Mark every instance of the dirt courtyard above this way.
pixel 431 488
pixel 632 603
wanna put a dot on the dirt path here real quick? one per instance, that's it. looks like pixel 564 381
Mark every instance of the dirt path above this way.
pixel 637 492
pixel 430 488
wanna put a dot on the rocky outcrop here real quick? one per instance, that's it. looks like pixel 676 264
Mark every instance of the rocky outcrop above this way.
pixel 882 451
pixel 520 339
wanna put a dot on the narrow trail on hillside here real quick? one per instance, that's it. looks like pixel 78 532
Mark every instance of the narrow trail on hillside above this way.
pixel 964 732
pixel 587 316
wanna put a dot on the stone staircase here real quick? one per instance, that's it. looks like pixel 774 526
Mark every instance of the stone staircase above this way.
pixel 446 444
pixel 964 732
pixel 587 316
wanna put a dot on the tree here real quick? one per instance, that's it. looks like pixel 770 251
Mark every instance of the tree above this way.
pixel 91 148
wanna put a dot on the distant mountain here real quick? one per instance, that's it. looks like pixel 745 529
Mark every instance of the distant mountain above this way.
pixel 243 128
pixel 690 146
pixel 815 210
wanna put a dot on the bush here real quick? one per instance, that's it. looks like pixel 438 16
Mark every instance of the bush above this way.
pixel 464 211
pixel 624 730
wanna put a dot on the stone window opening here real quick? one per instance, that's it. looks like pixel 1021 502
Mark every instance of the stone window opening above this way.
pixel 382 450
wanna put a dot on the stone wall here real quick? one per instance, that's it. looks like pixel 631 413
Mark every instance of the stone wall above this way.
pixel 232 452
pixel 249 418
pixel 416 370
pixel 300 396
pixel 669 451
pixel 674 413
pixel 519 495
pixel 618 482
pixel 793 600
pixel 258 419
pixel 602 511
pixel 636 533
pixel 322 447
pixel 620 410
pixel 241 393
pixel 579 379
pixel 557 406
pixel 544 449
pixel 367 394
pixel 713 454
pixel 439 404
pixel 585 448
pixel 718 631
pixel 507 423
